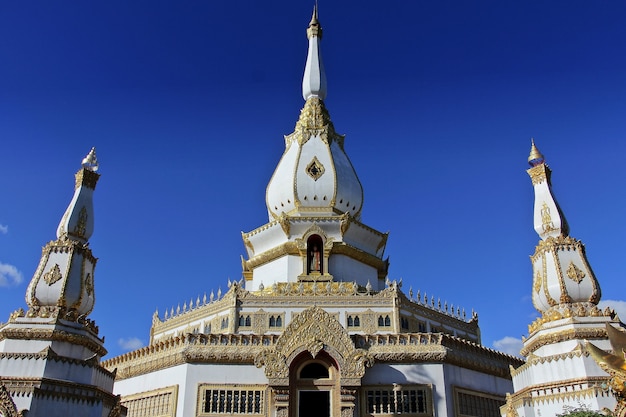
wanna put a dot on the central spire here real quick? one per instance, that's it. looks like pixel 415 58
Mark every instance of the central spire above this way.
pixel 314 201
pixel 314 176
pixel 314 80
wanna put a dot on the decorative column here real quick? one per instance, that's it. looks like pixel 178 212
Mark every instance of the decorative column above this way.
pixel 281 402
pixel 348 401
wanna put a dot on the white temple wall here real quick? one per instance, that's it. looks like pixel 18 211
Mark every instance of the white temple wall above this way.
pixel 383 373
pixel 443 379
pixel 412 374
pixel 225 374
pixel 467 378
pixel 362 238
pixel 457 377
pixel 267 239
pixel 343 268
pixel 175 375
pixel 284 269
pixel 188 377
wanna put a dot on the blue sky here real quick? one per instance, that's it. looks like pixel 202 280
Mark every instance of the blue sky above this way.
pixel 187 101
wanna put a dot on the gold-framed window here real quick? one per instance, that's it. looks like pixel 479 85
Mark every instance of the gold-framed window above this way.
pixel 219 400
pixel 387 400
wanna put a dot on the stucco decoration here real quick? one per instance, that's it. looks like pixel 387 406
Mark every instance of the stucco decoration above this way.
pixel 312 331
pixel 7 406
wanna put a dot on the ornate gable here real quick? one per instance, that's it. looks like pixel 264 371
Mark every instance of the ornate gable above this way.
pixel 314 330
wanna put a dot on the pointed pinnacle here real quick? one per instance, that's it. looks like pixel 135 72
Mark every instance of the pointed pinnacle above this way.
pixel 314 29
pixel 90 162
pixel 535 158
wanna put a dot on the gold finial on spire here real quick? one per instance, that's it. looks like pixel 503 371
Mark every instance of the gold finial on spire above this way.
pixel 90 162
pixel 87 175
pixel 314 29
pixel 535 158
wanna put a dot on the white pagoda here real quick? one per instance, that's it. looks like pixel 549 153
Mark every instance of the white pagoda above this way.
pixel 50 354
pixel 559 371
pixel 315 327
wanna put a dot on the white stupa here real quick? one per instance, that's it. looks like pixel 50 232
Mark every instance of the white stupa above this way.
pixel 559 371
pixel 50 354
pixel 314 200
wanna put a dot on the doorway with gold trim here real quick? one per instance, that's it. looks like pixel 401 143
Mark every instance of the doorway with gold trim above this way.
pixel 314 386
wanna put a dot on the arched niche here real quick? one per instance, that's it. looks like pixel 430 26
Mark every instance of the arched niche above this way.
pixel 315 247
pixel 315 255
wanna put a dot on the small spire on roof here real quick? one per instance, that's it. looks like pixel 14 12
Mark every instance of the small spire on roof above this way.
pixel 535 158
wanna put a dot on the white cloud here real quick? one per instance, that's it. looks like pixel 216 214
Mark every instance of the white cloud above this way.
pixel 131 343
pixel 4 229
pixel 508 344
pixel 9 275
pixel 617 305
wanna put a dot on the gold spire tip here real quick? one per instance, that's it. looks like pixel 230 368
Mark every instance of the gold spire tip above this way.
pixel 314 16
pixel 90 162
pixel 535 158
pixel 314 29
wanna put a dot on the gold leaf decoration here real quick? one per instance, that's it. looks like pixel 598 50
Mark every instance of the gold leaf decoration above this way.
pixel 81 226
pixel 574 273
pixel 53 275
pixel 546 219
pixel 89 284
pixel 537 283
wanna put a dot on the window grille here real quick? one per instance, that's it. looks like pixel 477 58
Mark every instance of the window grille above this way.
pixel 232 401
pixel 389 400
pixel 478 404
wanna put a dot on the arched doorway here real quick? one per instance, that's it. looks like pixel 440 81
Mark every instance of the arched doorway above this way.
pixel 314 386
